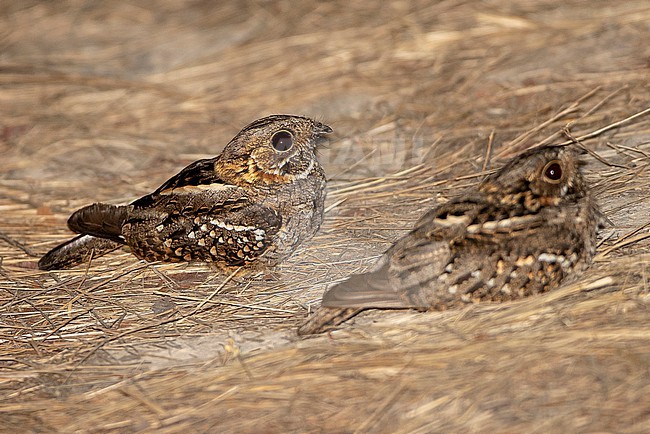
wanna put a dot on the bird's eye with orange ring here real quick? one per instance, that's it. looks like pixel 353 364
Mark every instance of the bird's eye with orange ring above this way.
pixel 282 140
pixel 553 172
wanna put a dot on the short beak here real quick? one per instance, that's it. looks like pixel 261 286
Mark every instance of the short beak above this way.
pixel 321 129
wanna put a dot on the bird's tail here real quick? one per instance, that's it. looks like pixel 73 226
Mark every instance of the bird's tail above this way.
pixel 76 251
pixel 100 220
pixel 325 318
pixel 100 226
pixel 359 292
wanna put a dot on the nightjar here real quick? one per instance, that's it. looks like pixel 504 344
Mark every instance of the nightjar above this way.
pixel 254 203
pixel 523 230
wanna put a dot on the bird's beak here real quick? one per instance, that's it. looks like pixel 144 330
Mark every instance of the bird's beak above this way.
pixel 321 129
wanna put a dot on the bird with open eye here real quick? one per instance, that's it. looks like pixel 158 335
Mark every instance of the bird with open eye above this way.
pixel 252 204
pixel 525 228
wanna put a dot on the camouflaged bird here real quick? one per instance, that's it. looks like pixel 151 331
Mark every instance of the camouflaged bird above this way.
pixel 255 202
pixel 526 227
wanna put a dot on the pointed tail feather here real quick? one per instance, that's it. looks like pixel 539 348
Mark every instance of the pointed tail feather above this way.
pixel 76 251
pixel 348 298
pixel 369 290
pixel 99 219
pixel 372 290
pixel 324 319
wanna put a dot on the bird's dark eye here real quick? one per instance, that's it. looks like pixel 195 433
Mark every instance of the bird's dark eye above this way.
pixel 553 172
pixel 282 140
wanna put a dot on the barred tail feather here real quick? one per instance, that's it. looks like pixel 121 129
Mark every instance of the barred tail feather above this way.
pixel 76 251
pixel 368 290
pixel 359 292
pixel 325 318
pixel 99 219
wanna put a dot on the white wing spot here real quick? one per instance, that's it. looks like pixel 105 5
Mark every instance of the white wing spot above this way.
pixel 259 234
pixel 550 258
pixel 230 227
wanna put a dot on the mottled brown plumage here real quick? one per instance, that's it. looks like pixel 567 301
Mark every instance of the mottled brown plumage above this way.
pixel 255 202
pixel 520 233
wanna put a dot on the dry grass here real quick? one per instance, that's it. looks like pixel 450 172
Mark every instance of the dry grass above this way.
pixel 103 103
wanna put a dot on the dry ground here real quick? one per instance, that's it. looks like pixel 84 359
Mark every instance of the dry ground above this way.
pixel 103 101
